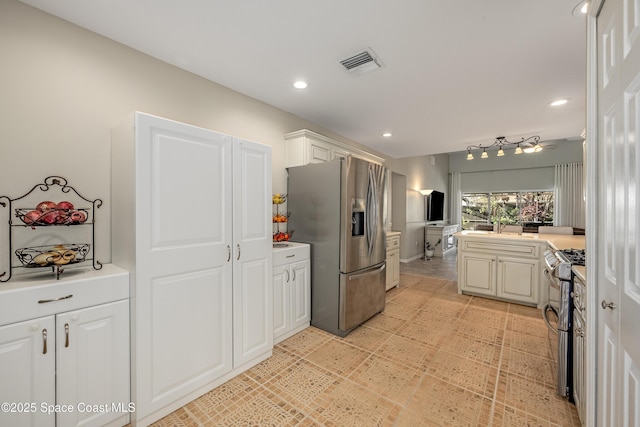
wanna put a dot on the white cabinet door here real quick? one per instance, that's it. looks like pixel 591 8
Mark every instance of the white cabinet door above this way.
pixel 281 304
pixel 518 279
pixel 183 252
pixel 27 372
pixel 252 244
pixel 477 273
pixel 393 269
pixel 300 293
pixel 92 364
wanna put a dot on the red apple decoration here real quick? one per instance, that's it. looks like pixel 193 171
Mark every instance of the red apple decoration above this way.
pixel 50 217
pixel 78 217
pixel 67 206
pixel 45 206
pixel 31 217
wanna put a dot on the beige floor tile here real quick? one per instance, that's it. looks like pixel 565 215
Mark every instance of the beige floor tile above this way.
pixel 462 372
pixel 385 322
pixel 439 403
pixel 338 357
pixel 303 383
pixel 426 333
pixel 505 416
pixel 444 307
pixel 278 362
pixel 489 304
pixel 534 398
pixel 408 352
pixel 367 338
pixel 306 341
pixel 179 418
pixel 350 404
pixel 387 378
pixel 470 330
pixel 473 349
pixel 529 366
pixel 527 343
pixel 412 298
pixel 400 311
pixel 484 316
pixel 528 325
pixel 260 409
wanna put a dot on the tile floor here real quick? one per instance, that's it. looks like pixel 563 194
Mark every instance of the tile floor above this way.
pixel 433 358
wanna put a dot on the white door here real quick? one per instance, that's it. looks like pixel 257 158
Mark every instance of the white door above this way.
pixel 300 293
pixel 518 279
pixel 184 253
pixel 477 273
pixel 92 348
pixel 281 305
pixel 618 259
pixel 252 247
pixel 27 372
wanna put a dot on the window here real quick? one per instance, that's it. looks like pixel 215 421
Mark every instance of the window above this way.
pixel 529 208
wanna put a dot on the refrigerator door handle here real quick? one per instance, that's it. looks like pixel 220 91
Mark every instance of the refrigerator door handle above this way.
pixel 372 211
pixel 366 273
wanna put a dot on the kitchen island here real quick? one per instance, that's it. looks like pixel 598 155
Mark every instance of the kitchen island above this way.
pixel 508 266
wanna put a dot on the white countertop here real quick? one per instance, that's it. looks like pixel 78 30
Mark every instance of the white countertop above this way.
pixel 557 241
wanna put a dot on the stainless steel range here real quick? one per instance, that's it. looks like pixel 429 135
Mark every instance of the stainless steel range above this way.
pixel 557 313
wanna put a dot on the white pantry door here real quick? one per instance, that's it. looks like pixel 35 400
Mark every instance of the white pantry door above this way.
pixel 618 267
pixel 184 253
pixel 252 239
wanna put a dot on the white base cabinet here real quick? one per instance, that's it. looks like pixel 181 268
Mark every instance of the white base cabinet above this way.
pixel 69 367
pixel 291 290
pixel 191 221
pixel 393 260
pixel 499 269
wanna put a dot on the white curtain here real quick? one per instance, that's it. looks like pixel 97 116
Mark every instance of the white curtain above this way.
pixel 569 195
pixel 455 198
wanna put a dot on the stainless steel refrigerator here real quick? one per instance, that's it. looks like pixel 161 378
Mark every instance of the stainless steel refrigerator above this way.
pixel 337 207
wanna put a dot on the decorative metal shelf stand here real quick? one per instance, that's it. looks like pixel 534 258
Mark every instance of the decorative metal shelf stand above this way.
pixel 46 215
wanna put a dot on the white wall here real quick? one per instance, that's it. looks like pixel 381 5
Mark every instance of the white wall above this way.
pixel 64 88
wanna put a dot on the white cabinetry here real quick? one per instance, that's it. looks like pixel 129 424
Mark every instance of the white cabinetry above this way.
pixel 500 269
pixel 55 352
pixel 291 290
pixel 304 147
pixel 443 233
pixel 191 220
pixel 393 259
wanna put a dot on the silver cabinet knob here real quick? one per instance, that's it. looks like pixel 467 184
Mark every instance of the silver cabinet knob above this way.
pixel 606 305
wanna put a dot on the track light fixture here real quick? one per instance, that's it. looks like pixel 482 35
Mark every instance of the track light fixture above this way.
pixel 531 145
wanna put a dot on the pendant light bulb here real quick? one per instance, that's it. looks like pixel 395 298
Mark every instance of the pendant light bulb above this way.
pixel 469 155
pixel 538 148
pixel 500 152
pixel 484 154
pixel 518 150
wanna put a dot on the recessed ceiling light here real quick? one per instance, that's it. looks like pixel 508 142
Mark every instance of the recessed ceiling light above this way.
pixel 387 134
pixel 558 102
pixel 300 84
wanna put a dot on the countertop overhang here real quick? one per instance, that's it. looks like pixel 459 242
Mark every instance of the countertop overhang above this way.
pixel 556 241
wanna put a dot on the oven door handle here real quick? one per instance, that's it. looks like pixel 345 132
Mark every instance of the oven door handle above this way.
pixel 551 279
pixel 545 310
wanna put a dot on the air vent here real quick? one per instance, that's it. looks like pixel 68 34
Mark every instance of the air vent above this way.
pixel 361 62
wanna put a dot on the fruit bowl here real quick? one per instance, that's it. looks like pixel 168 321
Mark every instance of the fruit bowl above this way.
pixel 53 255
pixel 281 236
pixel 54 216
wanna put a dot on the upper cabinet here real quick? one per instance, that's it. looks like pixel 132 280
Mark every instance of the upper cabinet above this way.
pixel 304 147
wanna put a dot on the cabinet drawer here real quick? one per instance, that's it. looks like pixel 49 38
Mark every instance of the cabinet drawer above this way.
pixel 393 242
pixel 527 250
pixel 292 253
pixel 19 300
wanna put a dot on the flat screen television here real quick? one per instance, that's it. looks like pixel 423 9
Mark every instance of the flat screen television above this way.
pixel 434 206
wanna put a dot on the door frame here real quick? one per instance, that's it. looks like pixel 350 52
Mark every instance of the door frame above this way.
pixel 592 235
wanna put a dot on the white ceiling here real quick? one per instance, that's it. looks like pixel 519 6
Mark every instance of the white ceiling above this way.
pixel 455 72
